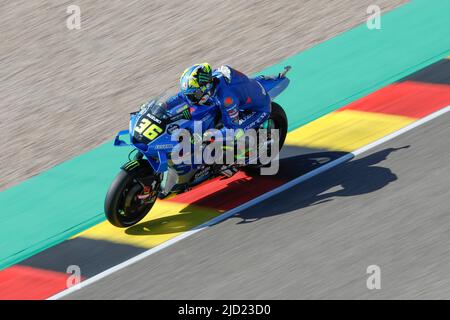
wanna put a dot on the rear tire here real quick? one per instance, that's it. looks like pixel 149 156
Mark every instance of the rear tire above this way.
pixel 123 208
pixel 281 123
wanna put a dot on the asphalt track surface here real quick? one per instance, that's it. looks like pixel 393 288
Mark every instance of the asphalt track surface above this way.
pixel 387 207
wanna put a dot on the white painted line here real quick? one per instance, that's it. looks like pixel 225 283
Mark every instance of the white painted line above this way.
pixel 250 203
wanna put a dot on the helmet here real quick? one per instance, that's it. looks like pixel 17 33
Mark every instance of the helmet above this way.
pixel 196 83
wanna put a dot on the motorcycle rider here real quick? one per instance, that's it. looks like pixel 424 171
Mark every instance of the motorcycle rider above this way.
pixel 242 101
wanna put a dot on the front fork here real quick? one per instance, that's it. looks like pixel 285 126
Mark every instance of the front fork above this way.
pixel 141 171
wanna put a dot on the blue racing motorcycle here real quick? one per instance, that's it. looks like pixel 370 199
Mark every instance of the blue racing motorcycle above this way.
pixel 138 184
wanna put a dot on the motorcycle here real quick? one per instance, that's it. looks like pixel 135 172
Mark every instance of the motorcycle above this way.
pixel 135 189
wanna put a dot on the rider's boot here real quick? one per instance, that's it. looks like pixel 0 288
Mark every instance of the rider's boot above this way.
pixel 175 182
pixel 228 171
pixel 169 182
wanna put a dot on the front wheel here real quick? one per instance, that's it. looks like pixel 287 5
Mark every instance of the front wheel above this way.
pixel 128 200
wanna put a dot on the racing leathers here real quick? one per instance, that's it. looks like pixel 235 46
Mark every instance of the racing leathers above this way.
pixel 243 103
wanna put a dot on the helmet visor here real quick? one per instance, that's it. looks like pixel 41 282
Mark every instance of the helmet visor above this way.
pixel 195 96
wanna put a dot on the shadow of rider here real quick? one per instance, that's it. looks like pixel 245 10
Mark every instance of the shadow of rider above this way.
pixel 357 177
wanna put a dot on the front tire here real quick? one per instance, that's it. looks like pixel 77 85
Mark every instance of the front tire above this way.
pixel 128 201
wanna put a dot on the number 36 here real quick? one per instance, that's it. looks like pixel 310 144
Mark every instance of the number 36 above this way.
pixel 148 129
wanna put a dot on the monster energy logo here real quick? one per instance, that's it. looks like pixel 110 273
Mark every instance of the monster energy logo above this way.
pixel 131 165
pixel 187 114
pixel 204 77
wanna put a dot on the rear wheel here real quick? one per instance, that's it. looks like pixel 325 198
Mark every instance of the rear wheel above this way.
pixel 277 120
pixel 128 200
